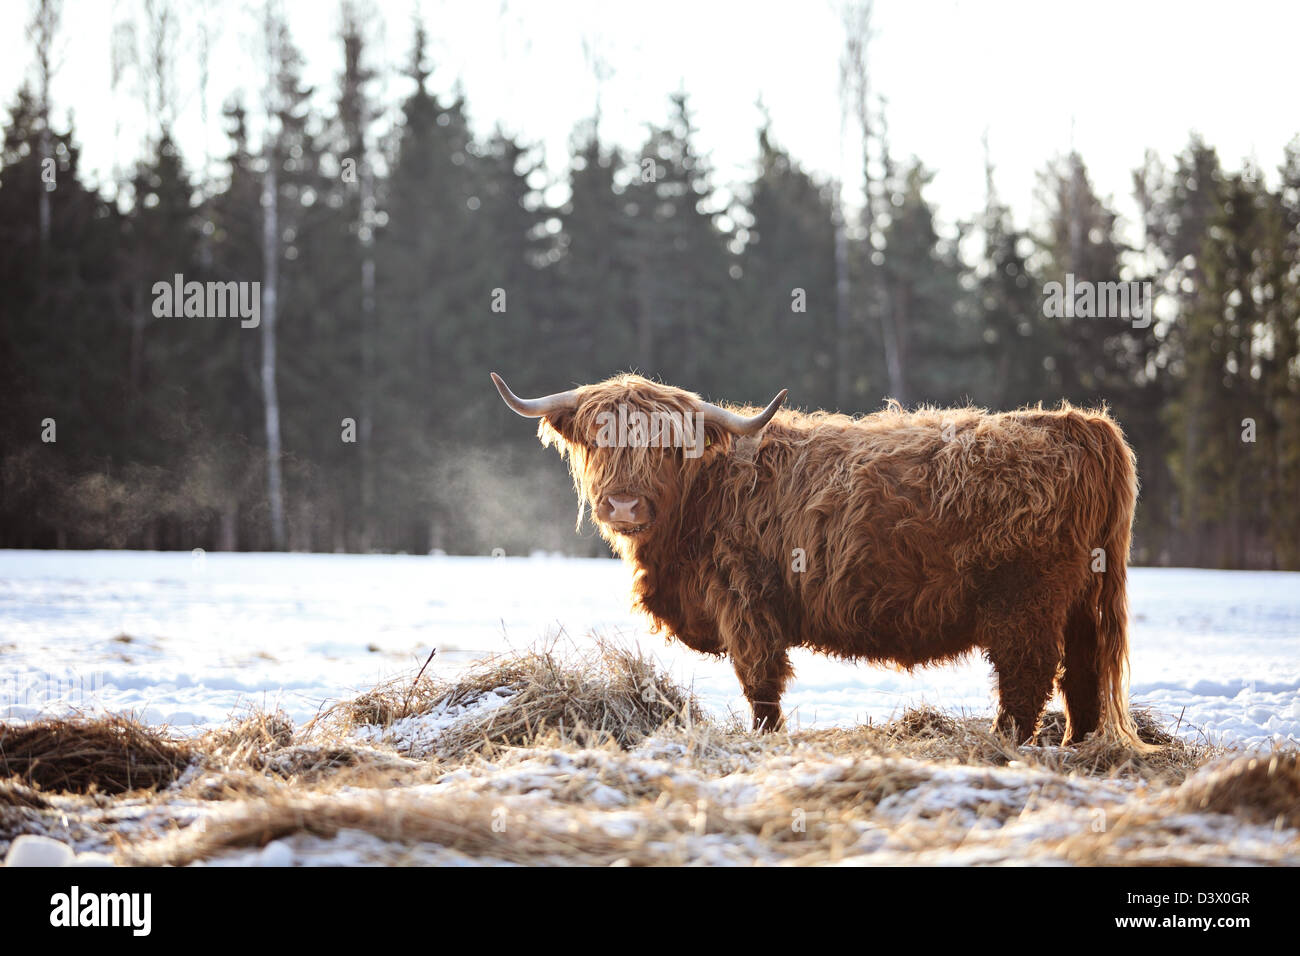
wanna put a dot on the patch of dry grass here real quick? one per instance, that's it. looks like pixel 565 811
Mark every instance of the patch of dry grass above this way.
pixel 386 703
pixel 86 755
pixel 1265 788
pixel 262 754
pixel 612 694
pixel 467 823
pixel 924 733
pixel 597 758
pixel 14 794
pixel 609 693
pixel 251 735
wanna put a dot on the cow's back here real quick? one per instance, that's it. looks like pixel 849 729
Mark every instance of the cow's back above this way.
pixel 894 528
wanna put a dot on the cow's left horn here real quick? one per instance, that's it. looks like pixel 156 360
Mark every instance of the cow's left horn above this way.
pixel 536 407
pixel 741 424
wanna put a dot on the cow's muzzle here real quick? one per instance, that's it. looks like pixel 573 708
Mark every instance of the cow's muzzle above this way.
pixel 625 513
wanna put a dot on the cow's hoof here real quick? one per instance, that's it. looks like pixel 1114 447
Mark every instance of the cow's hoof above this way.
pixel 767 719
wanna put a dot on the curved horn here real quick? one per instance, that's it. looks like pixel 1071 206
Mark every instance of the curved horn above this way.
pixel 536 407
pixel 741 424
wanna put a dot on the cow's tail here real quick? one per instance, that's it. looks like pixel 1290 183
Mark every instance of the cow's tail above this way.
pixel 1107 594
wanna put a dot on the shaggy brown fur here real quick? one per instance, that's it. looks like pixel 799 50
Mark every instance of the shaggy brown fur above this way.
pixel 921 536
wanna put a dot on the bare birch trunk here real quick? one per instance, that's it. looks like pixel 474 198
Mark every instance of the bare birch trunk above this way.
pixel 270 289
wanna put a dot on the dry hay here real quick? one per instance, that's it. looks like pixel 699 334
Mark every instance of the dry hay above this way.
pixel 87 755
pixel 613 694
pixel 927 734
pixel 262 754
pixel 599 759
pixel 387 703
pixel 1264 788
pixel 608 693
pixel 256 733
pixel 14 794
pixel 468 823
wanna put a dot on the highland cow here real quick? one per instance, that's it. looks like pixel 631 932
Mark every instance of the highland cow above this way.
pixel 911 537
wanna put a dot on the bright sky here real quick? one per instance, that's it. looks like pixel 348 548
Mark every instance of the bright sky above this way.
pixel 1113 78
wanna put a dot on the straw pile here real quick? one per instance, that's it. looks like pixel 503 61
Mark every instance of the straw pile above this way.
pixel 599 759
pixel 83 755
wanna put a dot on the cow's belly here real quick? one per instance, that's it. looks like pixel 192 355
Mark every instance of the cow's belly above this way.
pixel 909 628
pixel 886 643
pixel 705 641
pixel 691 626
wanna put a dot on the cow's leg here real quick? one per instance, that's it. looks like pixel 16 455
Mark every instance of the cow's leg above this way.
pixel 763 680
pixel 1021 624
pixel 1080 683
pixel 753 633
pixel 1025 647
pixel 1025 676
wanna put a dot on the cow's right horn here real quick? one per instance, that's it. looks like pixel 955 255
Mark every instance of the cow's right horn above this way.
pixel 536 407
pixel 742 424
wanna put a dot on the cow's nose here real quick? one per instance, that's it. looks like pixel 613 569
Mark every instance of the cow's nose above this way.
pixel 623 509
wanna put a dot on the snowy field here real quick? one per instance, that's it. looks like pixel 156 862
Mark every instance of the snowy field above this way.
pixel 190 640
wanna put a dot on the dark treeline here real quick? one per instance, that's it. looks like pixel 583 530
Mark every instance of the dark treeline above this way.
pixel 397 270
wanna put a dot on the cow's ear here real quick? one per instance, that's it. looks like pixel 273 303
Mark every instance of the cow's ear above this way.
pixel 556 427
pixel 717 440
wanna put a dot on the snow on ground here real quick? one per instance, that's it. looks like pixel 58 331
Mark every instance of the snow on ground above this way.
pixel 188 640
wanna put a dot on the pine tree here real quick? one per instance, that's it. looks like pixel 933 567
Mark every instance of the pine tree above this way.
pixel 1228 377
pixel 161 243
pixel 938 342
pixel 310 328
pixel 513 252
pixel 433 298
pixel 682 281
pixel 1281 366
pixel 231 359
pixel 594 334
pixel 1082 240
pixel 1178 208
pixel 1017 338
pixel 347 269
pixel 784 323
pixel 59 361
